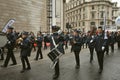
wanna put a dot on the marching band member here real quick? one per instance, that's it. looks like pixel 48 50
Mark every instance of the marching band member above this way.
pixel 91 44
pixel 10 46
pixel 118 40
pixel 25 52
pixel 58 39
pixel 77 43
pixel 100 44
pixel 39 45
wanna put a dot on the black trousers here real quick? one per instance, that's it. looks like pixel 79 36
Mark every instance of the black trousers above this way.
pixel 66 45
pixel 57 70
pixel 112 47
pixel 77 57
pixel 1 53
pixel 10 54
pixel 91 53
pixel 118 44
pixel 23 60
pixel 39 52
pixel 100 56
pixel 45 46
pixel 71 48
pixel 107 49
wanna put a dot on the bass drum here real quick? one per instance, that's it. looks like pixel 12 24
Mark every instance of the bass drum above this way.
pixel 3 39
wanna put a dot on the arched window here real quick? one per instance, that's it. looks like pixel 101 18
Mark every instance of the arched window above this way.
pixel 101 23
pixel 92 23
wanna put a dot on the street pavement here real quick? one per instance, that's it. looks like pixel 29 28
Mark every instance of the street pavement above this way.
pixel 40 70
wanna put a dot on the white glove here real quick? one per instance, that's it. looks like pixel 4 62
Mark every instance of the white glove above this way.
pixel 91 41
pixel 92 36
pixel 59 31
pixel 9 42
pixel 103 47
pixel 21 43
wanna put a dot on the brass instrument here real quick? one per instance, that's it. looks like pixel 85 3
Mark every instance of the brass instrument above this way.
pixel 19 40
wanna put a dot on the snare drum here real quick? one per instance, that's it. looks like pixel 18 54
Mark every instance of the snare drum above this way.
pixel 3 40
pixel 54 54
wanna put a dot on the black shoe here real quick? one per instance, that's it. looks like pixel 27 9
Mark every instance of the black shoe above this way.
pixel 36 59
pixel 1 59
pixel 55 76
pixel 29 68
pixel 100 71
pixel 13 64
pixel 107 53
pixel 3 66
pixel 91 61
pixel 41 58
pixel 77 66
pixel 22 71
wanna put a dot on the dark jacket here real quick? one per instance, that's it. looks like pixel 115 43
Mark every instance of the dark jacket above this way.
pixel 11 41
pixel 91 42
pixel 78 44
pixel 118 38
pixel 59 40
pixel 25 48
pixel 39 41
pixel 99 42
pixel 112 39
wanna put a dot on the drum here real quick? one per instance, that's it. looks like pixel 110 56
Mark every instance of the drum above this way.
pixel 3 40
pixel 54 54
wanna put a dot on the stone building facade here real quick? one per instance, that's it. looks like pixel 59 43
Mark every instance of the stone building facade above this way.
pixel 29 15
pixel 83 14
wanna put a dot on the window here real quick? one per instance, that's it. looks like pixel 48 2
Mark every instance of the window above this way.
pixel 101 23
pixel 92 7
pixel 102 14
pixel 83 16
pixel 79 23
pixel 93 15
pixel 92 23
pixel 83 23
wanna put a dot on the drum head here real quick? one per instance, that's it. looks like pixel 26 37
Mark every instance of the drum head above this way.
pixel 54 54
pixel 3 40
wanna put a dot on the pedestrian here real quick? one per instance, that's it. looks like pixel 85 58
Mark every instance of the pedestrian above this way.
pixel 10 47
pixel 77 43
pixel 100 44
pixel 25 52
pixel 39 45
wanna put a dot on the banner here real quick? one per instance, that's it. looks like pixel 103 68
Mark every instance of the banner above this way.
pixel 9 23
pixel 117 21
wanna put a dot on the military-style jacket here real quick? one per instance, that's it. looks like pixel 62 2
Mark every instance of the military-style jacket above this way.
pixel 25 47
pixel 91 41
pixel 78 43
pixel 99 42
pixel 11 41
pixel 39 41
pixel 59 40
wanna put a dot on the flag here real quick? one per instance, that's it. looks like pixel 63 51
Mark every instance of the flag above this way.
pixel 9 23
